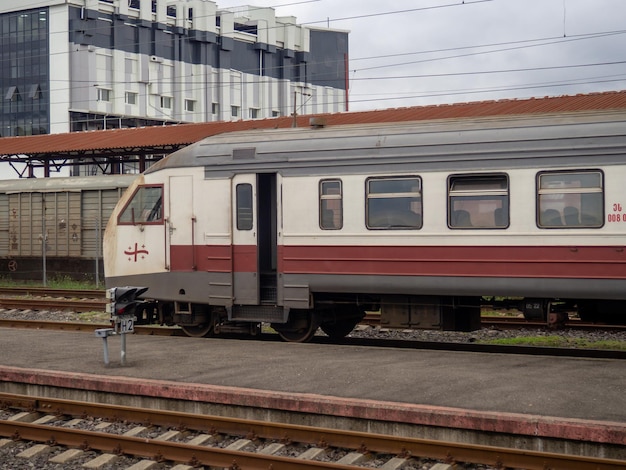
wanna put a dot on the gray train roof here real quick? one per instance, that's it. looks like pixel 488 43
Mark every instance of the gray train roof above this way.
pixel 564 139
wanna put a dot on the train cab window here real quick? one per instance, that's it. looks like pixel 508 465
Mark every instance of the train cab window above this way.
pixel 394 203
pixel 570 199
pixel 244 207
pixel 144 207
pixel 478 201
pixel 331 208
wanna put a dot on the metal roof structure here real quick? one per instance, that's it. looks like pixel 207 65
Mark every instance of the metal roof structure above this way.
pixel 139 144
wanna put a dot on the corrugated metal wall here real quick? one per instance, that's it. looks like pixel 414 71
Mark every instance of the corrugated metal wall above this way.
pixel 74 222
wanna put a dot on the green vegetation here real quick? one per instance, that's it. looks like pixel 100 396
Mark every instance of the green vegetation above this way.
pixel 60 282
pixel 94 317
pixel 559 342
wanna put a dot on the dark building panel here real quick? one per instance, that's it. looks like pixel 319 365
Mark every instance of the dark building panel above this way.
pixel 163 44
pixel 326 62
pixel 245 58
pixel 24 73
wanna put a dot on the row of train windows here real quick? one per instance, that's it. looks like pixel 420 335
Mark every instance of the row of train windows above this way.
pixel 563 200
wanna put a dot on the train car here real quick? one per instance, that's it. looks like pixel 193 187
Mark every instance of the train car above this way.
pixel 60 220
pixel 422 221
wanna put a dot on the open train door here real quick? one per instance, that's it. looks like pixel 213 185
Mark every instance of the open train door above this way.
pixel 254 239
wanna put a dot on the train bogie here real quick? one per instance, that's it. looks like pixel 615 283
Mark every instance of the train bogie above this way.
pixel 312 228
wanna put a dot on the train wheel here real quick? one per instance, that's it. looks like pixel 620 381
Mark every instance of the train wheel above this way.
pixel 339 329
pixel 300 328
pixel 198 331
pixel 342 321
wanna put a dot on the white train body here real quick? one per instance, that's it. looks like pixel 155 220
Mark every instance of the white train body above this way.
pixel 419 219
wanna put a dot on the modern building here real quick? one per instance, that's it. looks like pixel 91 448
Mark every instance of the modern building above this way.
pixel 75 65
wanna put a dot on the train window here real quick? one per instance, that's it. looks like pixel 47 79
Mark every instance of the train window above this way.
pixel 244 206
pixel 331 208
pixel 478 201
pixel 144 207
pixel 570 199
pixel 394 203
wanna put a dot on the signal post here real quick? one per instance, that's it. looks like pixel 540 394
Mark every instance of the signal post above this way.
pixel 122 306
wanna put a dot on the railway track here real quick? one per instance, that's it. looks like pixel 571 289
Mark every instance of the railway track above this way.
pixel 48 303
pixel 86 327
pixel 42 298
pixel 174 437
pixel 49 292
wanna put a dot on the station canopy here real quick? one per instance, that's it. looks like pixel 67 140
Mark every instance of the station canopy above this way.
pixel 107 148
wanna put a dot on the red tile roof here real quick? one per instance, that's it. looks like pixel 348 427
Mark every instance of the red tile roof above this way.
pixel 164 139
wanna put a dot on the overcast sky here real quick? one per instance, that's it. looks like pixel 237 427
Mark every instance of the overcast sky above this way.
pixel 416 52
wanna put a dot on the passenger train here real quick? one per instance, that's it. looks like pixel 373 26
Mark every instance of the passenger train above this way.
pixel 422 221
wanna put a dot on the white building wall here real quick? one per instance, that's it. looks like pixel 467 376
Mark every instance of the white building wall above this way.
pixel 59 68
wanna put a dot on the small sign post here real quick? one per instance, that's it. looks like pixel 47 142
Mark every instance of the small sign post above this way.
pixel 122 305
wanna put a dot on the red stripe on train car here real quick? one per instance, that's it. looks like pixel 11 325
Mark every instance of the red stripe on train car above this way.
pixel 509 261
pixel 214 258
pixel 600 262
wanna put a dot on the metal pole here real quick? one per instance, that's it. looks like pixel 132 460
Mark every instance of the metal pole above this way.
pixel 106 351
pixel 43 238
pixel 295 112
pixel 123 350
pixel 97 222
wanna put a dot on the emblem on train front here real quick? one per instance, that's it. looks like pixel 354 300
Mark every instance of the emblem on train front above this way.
pixel 133 254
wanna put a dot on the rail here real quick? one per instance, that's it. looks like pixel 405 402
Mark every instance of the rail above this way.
pixel 49 292
pixel 356 442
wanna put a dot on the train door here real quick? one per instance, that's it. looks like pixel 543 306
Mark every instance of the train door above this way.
pixel 181 224
pixel 254 239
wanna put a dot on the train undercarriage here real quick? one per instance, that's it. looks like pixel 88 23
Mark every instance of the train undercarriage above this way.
pixel 337 316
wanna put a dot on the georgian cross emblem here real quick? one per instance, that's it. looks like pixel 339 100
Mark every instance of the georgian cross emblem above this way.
pixel 134 253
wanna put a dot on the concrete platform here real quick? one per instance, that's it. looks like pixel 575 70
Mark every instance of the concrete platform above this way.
pixel 568 398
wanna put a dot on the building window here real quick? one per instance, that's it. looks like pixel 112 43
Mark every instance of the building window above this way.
pixel 166 102
pixel 215 108
pixel 131 97
pixel 12 94
pixel 190 105
pixel 234 111
pixel 571 199
pixel 104 94
pixel 254 113
pixel 331 208
pixel 275 113
pixel 394 203
pixel 478 201
pixel 34 92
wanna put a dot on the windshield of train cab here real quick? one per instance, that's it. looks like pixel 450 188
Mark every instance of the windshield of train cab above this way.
pixel 144 207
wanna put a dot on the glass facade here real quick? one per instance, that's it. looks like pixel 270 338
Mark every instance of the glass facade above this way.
pixel 24 73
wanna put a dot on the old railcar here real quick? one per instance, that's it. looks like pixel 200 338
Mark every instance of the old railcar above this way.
pixel 68 214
